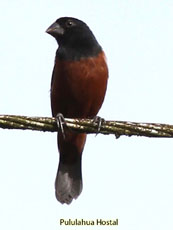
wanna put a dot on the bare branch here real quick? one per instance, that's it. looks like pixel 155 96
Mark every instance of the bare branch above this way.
pixel 117 128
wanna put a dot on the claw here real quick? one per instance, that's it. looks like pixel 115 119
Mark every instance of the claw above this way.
pixel 99 121
pixel 60 123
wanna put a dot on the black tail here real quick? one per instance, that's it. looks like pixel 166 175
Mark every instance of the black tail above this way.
pixel 68 183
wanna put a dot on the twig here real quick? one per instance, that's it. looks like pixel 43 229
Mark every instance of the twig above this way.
pixel 117 128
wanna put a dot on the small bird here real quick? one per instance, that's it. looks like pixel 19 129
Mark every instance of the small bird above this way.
pixel 78 87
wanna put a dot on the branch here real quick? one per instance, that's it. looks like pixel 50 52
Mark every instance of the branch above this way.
pixel 118 128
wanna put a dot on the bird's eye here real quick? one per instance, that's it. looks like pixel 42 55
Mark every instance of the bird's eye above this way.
pixel 69 23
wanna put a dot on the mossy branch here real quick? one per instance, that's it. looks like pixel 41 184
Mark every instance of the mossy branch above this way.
pixel 117 128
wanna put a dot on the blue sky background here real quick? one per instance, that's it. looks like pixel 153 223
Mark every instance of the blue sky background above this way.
pixel 129 178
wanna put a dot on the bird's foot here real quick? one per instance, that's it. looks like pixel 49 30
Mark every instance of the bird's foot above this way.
pixel 60 123
pixel 99 121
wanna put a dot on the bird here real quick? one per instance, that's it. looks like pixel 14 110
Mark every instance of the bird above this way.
pixel 78 87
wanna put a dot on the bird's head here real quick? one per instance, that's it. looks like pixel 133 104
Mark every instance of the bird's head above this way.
pixel 74 34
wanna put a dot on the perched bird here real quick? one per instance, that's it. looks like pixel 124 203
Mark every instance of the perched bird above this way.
pixel 78 87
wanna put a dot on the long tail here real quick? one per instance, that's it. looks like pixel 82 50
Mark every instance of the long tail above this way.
pixel 68 183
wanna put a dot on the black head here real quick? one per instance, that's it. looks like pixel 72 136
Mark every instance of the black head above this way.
pixel 74 37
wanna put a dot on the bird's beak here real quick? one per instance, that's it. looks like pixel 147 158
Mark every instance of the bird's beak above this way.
pixel 55 29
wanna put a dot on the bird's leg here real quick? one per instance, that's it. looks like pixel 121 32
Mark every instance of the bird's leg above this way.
pixel 99 121
pixel 60 123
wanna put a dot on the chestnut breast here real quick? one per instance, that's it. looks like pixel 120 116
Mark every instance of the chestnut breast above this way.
pixel 78 87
